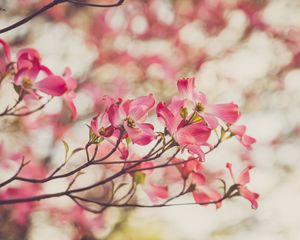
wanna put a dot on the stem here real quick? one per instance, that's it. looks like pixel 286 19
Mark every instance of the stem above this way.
pixel 51 5
pixel 28 18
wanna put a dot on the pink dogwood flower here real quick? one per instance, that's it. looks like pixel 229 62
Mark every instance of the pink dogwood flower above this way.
pixel 28 76
pixel 190 136
pixel 191 165
pixel 202 191
pixel 241 182
pixel 131 114
pixel 239 131
pixel 205 194
pixel 101 126
pixel 228 112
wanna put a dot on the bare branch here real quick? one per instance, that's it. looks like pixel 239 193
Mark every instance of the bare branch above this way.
pixel 51 5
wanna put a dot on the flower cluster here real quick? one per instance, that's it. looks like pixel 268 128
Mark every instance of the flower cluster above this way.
pixel 189 120
pixel 31 78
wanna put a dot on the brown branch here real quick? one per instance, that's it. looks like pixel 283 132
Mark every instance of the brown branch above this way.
pixel 51 5
pixel 125 171
pixel 96 5
pixel 22 165
pixel 27 19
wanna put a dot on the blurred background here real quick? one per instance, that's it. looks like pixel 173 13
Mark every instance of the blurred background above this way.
pixel 245 51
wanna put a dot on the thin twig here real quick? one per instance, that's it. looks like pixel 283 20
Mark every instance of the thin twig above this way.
pixel 51 5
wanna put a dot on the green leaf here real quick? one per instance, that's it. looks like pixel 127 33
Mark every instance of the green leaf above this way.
pixel 184 112
pixel 196 118
pixel 128 140
pixel 98 140
pixel 139 177
pixel 92 135
pixel 79 173
pixel 66 149
pixel 76 150
pixel 223 132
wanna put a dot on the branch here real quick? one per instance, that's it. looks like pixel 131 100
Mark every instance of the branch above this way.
pixel 51 5
pixel 23 164
pixel 96 5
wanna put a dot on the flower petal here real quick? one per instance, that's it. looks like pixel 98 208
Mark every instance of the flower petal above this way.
pixel 251 196
pixel 206 194
pixel 6 57
pixel 139 107
pixel 155 192
pixel 185 87
pixel 244 177
pixel 167 117
pixel 69 97
pixel 197 133
pixel 228 112
pixel 52 85
pixel 142 134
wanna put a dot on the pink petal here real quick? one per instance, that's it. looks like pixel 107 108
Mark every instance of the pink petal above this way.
pixel 2 67
pixel 251 196
pixel 7 52
pixel 27 57
pixel 229 166
pixel 123 149
pixel 185 87
pixel 238 130
pixel 46 70
pixel 196 149
pixel 26 72
pixel 212 121
pixel 52 85
pixel 196 133
pixel 176 104
pixel 199 97
pixel 167 117
pixel 206 195
pixel 247 141
pixel 244 178
pixel 190 166
pixel 70 81
pixel 69 97
pixel 200 197
pixel 146 165
pixel 198 178
pixel 155 192
pixel 94 125
pixel 114 116
pixel 139 107
pixel 142 134
pixel 28 53
pixel 213 194
pixel 228 112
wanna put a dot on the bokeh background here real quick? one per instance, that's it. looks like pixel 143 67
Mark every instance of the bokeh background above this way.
pixel 246 51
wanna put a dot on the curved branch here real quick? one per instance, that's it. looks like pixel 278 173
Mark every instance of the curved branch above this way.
pixel 28 18
pixel 96 5
pixel 51 5
pixel 22 165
